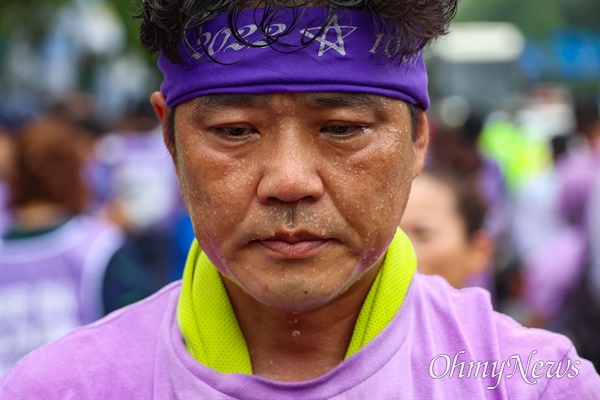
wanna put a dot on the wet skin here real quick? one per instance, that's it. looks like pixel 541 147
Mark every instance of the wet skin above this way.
pixel 295 196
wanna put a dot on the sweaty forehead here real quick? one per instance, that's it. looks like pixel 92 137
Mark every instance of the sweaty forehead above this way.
pixel 329 100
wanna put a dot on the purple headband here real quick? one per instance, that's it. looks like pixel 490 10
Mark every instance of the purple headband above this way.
pixel 345 56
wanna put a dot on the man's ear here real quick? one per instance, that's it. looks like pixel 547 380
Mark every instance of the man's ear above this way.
pixel 159 102
pixel 420 142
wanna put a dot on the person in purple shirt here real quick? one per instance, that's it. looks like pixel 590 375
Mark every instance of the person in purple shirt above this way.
pixel 52 256
pixel 6 164
pixel 296 132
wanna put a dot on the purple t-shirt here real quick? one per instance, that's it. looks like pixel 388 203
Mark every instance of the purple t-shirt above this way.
pixel 138 352
pixel 5 216
pixel 51 284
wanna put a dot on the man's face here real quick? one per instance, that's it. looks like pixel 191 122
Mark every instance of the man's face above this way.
pixel 294 196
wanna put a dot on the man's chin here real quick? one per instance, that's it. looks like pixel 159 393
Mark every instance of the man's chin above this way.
pixel 297 301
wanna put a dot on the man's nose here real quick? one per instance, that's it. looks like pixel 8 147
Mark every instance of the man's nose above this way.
pixel 290 171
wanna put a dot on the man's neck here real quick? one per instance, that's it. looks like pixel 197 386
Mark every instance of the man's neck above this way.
pixel 39 215
pixel 291 347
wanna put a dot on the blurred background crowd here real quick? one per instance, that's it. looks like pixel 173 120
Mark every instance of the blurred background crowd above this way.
pixel 90 214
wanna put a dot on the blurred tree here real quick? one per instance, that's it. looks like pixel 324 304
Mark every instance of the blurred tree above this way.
pixel 50 48
pixel 536 19
pixel 30 20
pixel 126 9
pixel 27 18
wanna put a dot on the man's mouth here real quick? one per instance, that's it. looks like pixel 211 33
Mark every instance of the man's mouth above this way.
pixel 293 245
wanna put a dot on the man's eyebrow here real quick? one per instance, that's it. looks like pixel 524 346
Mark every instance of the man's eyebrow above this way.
pixel 330 100
pixel 343 100
pixel 228 100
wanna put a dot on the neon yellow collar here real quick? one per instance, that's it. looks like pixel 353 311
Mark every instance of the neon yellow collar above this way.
pixel 212 334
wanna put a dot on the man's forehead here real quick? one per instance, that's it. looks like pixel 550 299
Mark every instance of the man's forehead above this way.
pixel 322 99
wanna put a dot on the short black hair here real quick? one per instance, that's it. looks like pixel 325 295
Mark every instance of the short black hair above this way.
pixel 407 25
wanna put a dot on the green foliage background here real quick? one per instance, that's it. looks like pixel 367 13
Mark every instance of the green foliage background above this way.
pixel 535 18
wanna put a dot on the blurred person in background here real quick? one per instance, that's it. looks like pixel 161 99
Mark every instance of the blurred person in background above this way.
pixel 589 332
pixel 559 292
pixel 53 256
pixel 444 219
pixel 579 169
pixel 534 197
pixel 519 140
pixel 6 164
pixel 455 147
pixel 143 199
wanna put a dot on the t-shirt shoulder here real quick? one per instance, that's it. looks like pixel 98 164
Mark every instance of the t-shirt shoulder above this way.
pixel 122 341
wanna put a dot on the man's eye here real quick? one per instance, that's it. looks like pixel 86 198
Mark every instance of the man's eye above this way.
pixel 233 131
pixel 342 130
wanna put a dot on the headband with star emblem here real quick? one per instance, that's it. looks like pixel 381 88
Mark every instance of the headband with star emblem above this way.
pixel 342 53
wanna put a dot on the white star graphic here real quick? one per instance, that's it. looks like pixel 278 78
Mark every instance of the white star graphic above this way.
pixel 338 45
